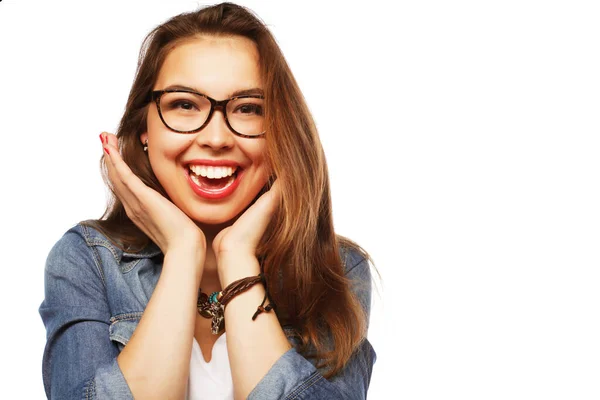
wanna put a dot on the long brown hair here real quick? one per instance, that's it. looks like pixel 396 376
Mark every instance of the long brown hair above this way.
pixel 300 247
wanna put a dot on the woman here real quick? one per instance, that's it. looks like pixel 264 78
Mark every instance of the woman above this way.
pixel 215 272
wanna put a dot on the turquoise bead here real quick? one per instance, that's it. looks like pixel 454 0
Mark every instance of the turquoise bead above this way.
pixel 213 297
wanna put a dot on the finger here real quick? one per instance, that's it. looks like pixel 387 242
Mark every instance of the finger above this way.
pixel 270 200
pixel 119 170
pixel 116 184
pixel 255 220
pixel 130 190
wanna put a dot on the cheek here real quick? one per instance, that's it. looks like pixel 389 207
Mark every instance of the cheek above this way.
pixel 162 139
pixel 164 144
pixel 165 152
pixel 263 171
pixel 257 153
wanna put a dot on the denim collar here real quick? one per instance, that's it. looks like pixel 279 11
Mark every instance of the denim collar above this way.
pixel 95 238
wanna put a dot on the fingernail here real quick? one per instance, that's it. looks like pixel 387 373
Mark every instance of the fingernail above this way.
pixel 106 150
pixel 101 139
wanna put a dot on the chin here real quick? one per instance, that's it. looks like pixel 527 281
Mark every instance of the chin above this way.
pixel 213 219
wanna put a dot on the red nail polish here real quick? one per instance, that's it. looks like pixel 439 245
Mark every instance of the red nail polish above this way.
pixel 101 139
pixel 106 150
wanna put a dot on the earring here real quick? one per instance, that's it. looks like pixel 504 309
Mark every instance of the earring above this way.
pixel 146 145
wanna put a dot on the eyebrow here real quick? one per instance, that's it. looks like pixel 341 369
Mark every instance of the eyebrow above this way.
pixel 243 92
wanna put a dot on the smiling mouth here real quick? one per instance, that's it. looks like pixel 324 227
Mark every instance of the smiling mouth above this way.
pixel 211 178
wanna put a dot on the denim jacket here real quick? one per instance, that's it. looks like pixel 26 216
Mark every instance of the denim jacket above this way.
pixel 95 295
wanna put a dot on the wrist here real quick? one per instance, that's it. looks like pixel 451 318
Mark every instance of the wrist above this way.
pixel 189 241
pixel 194 255
pixel 234 266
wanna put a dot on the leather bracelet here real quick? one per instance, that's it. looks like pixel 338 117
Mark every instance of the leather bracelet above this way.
pixel 219 300
pixel 237 287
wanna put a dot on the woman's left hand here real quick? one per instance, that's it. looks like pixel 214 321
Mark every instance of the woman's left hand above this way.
pixel 242 238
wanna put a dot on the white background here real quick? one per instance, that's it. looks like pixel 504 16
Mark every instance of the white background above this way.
pixel 462 140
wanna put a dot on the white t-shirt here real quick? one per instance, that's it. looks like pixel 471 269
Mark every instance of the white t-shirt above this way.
pixel 212 380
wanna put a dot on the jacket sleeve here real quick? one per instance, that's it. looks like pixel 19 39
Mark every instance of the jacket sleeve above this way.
pixel 294 377
pixel 80 361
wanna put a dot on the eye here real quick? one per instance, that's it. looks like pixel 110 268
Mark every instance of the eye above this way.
pixel 250 108
pixel 183 105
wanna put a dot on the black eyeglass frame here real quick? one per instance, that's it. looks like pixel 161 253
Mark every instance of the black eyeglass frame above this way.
pixel 214 105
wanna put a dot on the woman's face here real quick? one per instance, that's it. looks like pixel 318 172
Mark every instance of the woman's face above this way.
pixel 216 67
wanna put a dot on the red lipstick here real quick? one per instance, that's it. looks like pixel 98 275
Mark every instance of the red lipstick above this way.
pixel 212 193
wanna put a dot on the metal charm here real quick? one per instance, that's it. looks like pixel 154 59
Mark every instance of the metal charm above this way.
pixel 218 316
pixel 204 306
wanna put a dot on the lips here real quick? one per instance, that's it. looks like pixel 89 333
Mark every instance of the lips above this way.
pixel 213 179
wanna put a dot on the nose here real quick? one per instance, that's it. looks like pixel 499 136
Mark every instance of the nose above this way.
pixel 216 134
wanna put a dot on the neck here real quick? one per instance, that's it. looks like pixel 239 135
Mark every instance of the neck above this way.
pixel 210 274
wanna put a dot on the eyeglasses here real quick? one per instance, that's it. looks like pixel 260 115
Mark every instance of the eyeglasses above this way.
pixel 185 111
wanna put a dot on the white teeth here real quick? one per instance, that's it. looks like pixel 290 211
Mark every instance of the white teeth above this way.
pixel 212 172
pixel 194 178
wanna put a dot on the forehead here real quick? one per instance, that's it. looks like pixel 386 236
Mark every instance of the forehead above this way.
pixel 215 66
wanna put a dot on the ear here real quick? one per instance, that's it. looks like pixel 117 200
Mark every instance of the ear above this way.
pixel 144 137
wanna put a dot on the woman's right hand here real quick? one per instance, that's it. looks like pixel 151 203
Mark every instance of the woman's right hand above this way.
pixel 164 223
